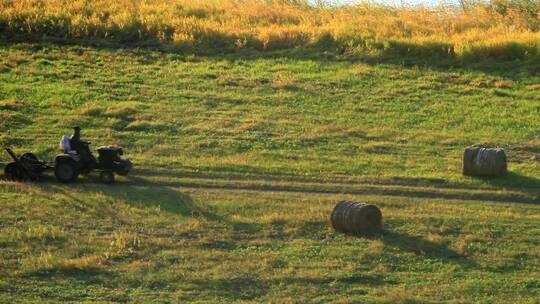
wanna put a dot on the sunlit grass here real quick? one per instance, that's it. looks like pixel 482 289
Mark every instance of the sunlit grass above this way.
pixel 278 116
pixel 239 157
pixel 503 30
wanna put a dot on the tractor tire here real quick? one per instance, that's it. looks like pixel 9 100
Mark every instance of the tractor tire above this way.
pixel 28 156
pixel 66 171
pixel 14 172
pixel 30 161
pixel 106 177
pixel 124 167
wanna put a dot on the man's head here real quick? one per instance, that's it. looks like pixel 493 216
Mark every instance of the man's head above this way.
pixel 76 130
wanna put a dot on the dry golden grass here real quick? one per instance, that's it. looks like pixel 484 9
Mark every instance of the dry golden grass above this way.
pixel 499 31
pixel 11 104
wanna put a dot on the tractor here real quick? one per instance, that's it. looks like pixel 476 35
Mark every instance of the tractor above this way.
pixel 76 158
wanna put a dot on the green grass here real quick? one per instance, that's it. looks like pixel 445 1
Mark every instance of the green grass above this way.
pixel 239 160
pixel 143 242
pixel 276 115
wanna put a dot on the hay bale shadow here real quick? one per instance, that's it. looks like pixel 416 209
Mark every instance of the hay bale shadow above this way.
pixel 422 247
pixel 511 179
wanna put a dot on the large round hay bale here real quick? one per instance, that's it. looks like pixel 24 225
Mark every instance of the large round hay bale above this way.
pixel 484 162
pixel 356 218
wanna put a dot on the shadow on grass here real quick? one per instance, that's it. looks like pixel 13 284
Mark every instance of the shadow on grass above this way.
pixel 167 197
pixel 366 279
pixel 141 192
pixel 422 247
pixel 435 56
pixel 512 179
pixel 530 196
pixel 419 246
pixel 90 275
pixel 245 288
pixel 251 287
pixel 152 194
pixel 136 191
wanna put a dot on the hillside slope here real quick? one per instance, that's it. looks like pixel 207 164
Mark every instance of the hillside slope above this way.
pixel 239 160
pixel 297 114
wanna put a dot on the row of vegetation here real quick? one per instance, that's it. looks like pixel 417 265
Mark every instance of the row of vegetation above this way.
pixel 503 29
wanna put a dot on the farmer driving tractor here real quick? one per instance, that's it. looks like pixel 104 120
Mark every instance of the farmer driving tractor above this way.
pixel 76 158
pixel 80 146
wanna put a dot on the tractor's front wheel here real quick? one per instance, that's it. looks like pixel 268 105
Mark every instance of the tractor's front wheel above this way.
pixel 65 171
pixel 106 177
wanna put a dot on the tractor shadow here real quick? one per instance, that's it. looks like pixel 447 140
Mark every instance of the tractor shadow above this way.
pixel 134 191
pixel 140 192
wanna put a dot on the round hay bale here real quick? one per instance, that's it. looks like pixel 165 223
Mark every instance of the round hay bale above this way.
pixel 484 162
pixel 355 217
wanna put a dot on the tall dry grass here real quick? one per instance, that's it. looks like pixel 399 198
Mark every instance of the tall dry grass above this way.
pixel 502 29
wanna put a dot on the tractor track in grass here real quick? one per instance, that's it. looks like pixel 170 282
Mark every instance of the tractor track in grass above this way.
pixel 146 178
pixel 511 195
pixel 335 179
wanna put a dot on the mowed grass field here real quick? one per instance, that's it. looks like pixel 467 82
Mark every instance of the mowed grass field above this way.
pixel 240 158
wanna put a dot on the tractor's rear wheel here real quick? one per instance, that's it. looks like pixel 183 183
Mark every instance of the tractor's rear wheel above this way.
pixel 30 161
pixel 106 177
pixel 124 167
pixel 66 171
pixel 14 172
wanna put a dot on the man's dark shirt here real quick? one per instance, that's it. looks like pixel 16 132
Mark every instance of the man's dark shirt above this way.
pixel 80 146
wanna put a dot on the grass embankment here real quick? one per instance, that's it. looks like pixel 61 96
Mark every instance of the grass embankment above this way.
pixel 500 29
pixel 306 129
